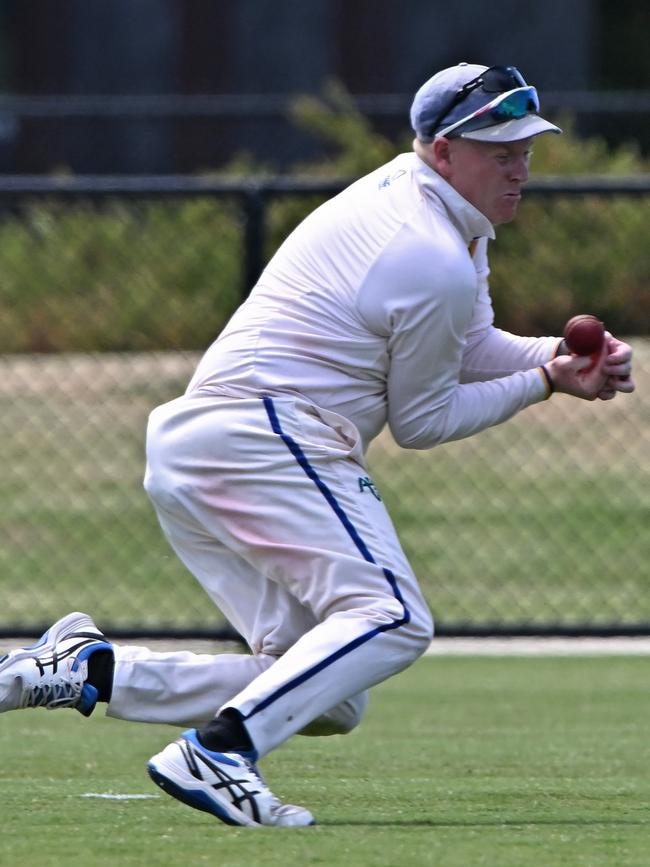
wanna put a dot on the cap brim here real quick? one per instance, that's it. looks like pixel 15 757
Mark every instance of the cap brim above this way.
pixel 512 130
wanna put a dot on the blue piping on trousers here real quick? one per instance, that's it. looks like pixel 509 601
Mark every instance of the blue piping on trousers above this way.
pixel 301 459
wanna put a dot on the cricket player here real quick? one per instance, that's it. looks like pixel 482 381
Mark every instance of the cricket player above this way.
pixel 375 311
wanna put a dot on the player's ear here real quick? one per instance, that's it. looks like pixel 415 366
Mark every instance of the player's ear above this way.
pixel 441 148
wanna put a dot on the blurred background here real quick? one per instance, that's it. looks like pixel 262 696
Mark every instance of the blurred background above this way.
pixel 150 86
pixel 154 153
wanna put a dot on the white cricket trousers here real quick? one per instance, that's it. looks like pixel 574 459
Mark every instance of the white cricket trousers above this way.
pixel 268 503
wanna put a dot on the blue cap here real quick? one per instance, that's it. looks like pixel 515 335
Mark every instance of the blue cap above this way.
pixel 440 90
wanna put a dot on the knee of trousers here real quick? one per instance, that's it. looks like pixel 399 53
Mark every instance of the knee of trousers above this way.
pixel 407 625
pixel 417 633
pixel 158 484
pixel 163 485
pixel 340 719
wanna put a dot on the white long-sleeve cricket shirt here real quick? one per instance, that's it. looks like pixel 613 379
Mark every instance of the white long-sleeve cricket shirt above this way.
pixel 374 309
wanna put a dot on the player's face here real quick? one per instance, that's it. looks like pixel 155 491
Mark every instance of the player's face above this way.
pixel 489 175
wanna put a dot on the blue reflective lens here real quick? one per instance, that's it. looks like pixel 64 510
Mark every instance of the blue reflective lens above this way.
pixel 516 105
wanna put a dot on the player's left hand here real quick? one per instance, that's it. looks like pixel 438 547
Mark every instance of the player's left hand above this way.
pixel 617 365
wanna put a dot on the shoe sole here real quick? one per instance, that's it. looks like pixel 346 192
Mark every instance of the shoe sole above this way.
pixel 191 792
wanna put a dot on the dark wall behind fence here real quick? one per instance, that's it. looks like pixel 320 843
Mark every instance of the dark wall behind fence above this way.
pixel 257 54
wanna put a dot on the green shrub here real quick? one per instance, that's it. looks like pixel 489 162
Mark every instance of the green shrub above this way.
pixel 122 277
pixel 168 274
pixel 565 256
pixel 568 254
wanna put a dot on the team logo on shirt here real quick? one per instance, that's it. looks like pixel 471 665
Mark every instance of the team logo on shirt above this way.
pixel 367 484
pixel 386 182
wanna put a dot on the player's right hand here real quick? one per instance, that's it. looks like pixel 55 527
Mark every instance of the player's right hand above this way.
pixel 618 366
pixel 578 376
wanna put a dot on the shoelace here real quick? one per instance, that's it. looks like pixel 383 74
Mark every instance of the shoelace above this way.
pixel 52 694
pixel 278 810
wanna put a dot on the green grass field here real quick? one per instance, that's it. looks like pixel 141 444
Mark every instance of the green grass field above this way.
pixel 503 762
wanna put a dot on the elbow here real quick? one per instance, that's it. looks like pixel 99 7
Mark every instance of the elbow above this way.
pixel 423 425
pixel 416 436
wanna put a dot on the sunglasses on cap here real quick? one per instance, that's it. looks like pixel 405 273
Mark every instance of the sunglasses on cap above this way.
pixel 496 79
pixel 512 105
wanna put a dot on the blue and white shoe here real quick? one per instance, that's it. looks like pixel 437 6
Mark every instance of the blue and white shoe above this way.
pixel 53 672
pixel 227 785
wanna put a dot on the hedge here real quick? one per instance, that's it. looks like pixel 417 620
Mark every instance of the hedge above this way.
pixel 168 274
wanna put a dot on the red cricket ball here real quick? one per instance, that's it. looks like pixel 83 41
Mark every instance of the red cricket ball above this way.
pixel 584 334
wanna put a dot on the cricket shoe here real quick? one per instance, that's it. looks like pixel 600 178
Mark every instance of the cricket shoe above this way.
pixel 53 672
pixel 227 785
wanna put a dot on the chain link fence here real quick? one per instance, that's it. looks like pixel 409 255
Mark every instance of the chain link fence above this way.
pixel 539 525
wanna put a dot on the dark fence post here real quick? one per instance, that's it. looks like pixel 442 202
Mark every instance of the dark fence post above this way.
pixel 255 211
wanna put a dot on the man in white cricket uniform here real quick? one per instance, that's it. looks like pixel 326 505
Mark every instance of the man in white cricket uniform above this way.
pixel 374 311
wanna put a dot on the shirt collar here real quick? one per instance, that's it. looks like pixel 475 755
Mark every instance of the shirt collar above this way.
pixel 469 221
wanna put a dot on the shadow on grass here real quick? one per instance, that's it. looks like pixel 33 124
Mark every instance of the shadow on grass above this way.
pixel 504 823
